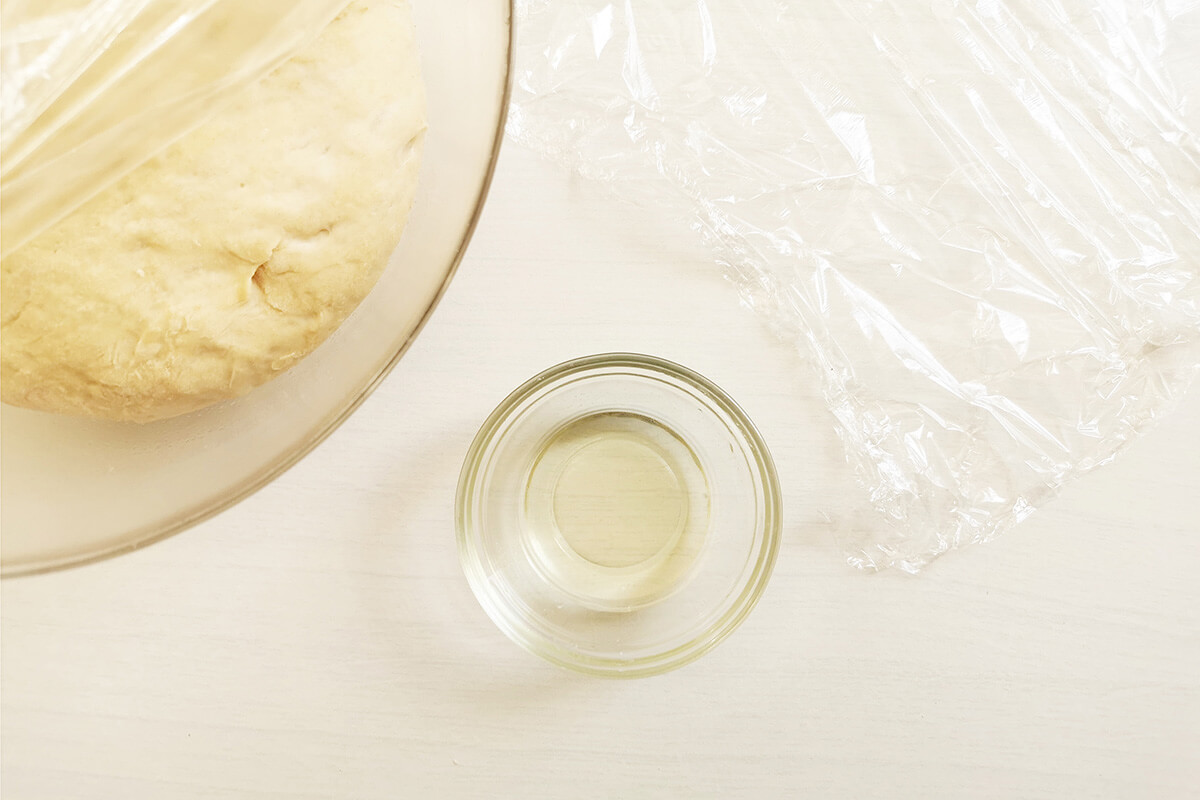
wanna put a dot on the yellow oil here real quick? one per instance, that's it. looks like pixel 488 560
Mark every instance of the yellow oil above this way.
pixel 616 511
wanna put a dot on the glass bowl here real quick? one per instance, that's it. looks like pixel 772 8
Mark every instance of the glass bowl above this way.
pixel 618 515
pixel 76 490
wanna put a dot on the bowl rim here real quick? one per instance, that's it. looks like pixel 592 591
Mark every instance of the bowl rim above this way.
pixel 340 415
pixel 750 592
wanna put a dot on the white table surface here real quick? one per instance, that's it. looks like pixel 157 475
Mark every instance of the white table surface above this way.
pixel 319 639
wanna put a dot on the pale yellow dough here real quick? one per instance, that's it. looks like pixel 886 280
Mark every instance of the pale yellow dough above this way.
pixel 220 263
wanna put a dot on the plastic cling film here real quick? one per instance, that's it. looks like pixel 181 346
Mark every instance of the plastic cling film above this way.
pixel 980 218
pixel 90 89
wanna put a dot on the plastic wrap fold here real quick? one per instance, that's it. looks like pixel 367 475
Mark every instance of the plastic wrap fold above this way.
pixel 90 89
pixel 980 218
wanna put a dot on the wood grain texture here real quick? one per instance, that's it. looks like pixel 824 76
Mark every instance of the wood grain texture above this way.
pixel 319 639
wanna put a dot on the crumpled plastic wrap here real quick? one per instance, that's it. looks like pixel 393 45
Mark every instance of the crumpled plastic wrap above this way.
pixel 90 89
pixel 979 218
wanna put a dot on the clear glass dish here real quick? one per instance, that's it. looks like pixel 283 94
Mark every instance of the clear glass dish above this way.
pixel 618 515
pixel 77 490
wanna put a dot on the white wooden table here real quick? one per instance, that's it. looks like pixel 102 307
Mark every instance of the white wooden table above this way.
pixel 319 640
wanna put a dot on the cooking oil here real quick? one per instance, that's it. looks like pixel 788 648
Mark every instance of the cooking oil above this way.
pixel 616 511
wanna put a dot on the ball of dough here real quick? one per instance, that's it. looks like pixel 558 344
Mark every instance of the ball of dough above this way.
pixel 218 264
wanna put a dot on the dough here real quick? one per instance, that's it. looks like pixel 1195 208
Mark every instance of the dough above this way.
pixel 221 262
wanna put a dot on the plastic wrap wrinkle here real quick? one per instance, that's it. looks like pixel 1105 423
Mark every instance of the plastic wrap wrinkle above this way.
pixel 980 219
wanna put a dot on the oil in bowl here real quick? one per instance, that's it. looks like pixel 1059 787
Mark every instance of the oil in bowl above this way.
pixel 618 515
pixel 616 511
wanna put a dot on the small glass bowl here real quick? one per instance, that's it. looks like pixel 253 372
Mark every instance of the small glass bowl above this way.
pixel 618 515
